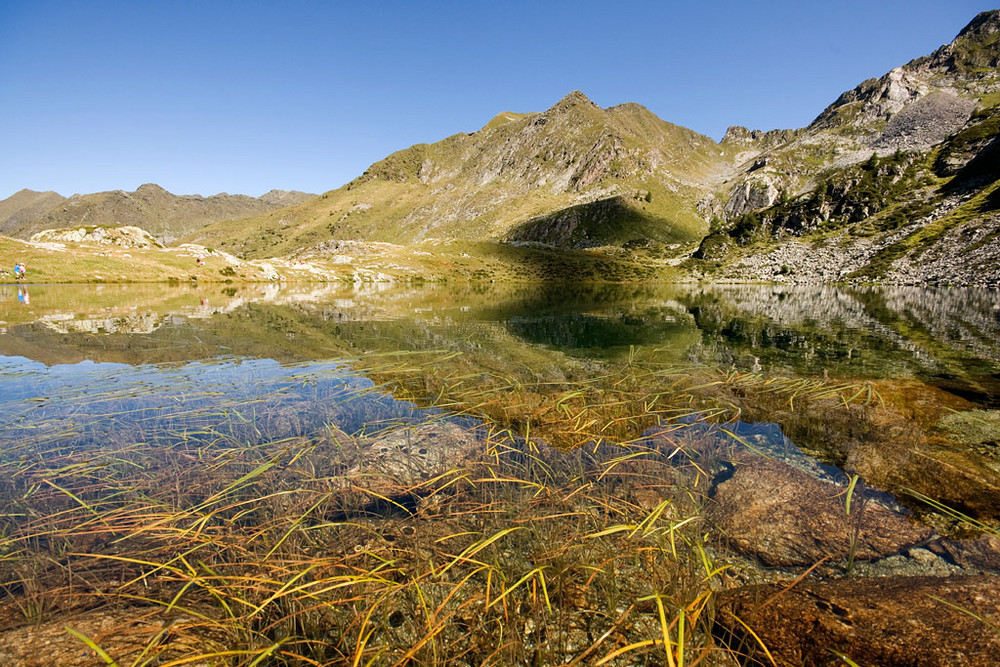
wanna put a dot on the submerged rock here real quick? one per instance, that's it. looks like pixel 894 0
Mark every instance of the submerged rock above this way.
pixel 397 467
pixel 128 636
pixel 897 621
pixel 785 517
pixel 414 454
pixel 958 477
pixel 908 442
pixel 972 427
pixel 982 553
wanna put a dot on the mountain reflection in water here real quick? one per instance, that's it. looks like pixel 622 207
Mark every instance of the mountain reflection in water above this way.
pixel 947 337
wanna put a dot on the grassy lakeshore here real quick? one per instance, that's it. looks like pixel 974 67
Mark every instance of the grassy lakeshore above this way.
pixel 433 260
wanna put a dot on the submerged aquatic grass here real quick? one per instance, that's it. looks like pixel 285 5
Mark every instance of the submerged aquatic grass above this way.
pixel 251 532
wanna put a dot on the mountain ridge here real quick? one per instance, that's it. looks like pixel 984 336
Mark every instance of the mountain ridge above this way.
pixel 151 207
pixel 894 181
pixel 518 168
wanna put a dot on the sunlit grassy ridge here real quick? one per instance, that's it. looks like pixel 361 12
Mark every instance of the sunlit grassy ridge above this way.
pixel 481 186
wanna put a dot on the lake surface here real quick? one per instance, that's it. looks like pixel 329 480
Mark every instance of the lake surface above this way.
pixel 946 337
pixel 157 363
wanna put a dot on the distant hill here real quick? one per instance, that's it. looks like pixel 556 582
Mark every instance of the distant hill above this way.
pixel 575 175
pixel 18 211
pixel 164 215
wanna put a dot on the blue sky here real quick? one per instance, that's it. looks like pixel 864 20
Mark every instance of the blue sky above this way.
pixel 241 97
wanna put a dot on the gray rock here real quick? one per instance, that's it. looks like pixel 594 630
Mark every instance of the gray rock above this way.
pixel 756 193
pixel 926 122
pixel 409 459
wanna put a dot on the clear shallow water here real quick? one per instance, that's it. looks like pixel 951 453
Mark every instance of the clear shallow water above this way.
pixel 153 363
pixel 225 400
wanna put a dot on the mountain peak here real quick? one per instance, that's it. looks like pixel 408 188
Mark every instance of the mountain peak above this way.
pixel 984 25
pixel 975 48
pixel 574 99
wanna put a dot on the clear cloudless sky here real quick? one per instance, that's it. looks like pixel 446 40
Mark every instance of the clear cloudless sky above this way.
pixel 212 96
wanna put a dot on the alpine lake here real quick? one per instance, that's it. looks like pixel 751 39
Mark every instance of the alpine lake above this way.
pixel 320 474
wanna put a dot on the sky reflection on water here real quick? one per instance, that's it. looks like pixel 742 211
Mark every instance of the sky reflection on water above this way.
pixel 228 399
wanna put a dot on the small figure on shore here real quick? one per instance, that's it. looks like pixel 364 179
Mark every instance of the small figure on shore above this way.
pixel 20 271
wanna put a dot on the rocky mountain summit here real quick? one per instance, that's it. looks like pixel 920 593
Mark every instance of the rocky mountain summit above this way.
pixel 162 214
pixel 896 181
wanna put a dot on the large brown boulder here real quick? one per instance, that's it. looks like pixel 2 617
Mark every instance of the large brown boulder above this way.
pixel 893 621
pixel 786 517
pixel 981 553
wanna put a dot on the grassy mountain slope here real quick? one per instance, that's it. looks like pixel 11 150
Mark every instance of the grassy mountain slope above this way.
pixel 511 181
pixel 159 212
pixel 896 180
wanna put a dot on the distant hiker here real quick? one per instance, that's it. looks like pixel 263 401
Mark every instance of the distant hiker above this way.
pixel 20 271
pixel 199 262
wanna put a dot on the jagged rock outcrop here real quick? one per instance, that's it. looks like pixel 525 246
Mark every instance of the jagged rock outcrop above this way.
pixel 122 237
pixel 873 100
pixel 756 193
pixel 907 187
pixel 737 135
pixel 975 47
